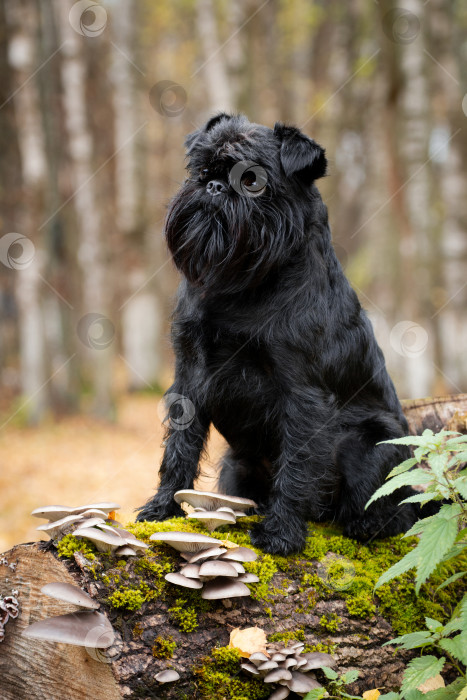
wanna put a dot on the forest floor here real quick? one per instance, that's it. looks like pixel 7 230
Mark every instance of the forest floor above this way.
pixel 79 460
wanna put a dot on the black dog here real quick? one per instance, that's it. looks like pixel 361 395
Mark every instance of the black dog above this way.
pixel 272 345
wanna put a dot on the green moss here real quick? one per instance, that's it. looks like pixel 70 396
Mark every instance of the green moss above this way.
pixel 361 606
pixel 184 615
pixel 163 648
pixel 297 635
pixel 330 622
pixel 218 677
pixel 126 598
pixel 68 545
pixel 264 568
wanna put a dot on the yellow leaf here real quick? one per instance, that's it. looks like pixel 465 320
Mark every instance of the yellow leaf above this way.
pixel 228 544
pixel 248 641
pixel 113 516
pixel 371 694
pixel 432 684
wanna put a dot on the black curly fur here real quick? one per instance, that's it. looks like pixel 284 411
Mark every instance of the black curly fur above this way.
pixel 273 348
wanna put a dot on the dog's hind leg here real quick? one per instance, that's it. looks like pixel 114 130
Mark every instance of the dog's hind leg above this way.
pixel 246 477
pixel 364 466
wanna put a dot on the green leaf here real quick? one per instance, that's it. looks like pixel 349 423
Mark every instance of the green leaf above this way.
pixel 454 625
pixel 415 476
pixel 460 484
pixel 454 647
pixel 438 462
pixel 433 625
pixel 451 579
pixel 419 526
pixel 390 696
pixel 411 640
pixel 420 670
pixel 350 676
pixel 329 673
pixel 463 618
pixel 463 694
pixel 403 467
pixel 409 440
pixel 455 441
pixel 437 538
pixel 423 497
pixel 409 561
pixel 316 694
pixel 450 692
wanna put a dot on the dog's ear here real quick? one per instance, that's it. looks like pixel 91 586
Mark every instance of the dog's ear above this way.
pixel 300 155
pixel 191 139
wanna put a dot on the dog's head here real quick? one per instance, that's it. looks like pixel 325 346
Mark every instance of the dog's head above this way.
pixel 241 212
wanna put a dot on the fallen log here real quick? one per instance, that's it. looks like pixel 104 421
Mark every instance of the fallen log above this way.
pixel 323 597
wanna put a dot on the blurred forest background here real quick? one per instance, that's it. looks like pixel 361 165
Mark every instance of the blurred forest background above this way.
pixel 95 102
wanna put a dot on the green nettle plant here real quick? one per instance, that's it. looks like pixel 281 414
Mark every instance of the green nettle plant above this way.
pixel 439 464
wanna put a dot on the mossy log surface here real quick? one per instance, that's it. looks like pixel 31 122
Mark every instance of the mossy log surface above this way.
pixel 324 597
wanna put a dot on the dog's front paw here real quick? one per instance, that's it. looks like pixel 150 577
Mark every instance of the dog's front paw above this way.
pixel 276 540
pixel 161 507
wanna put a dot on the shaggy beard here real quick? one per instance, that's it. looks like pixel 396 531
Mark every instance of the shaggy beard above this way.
pixel 233 244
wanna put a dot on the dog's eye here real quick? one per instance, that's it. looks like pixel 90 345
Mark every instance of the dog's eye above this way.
pixel 203 173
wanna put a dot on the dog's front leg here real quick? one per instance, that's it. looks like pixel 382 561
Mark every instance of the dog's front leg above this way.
pixel 187 431
pixel 284 529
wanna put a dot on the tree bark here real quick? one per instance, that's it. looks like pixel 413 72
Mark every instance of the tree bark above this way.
pixel 128 668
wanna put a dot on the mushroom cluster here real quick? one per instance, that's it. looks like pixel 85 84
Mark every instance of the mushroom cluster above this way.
pixel 209 565
pixel 214 509
pixel 86 627
pixel 9 608
pixel 288 667
pixel 93 523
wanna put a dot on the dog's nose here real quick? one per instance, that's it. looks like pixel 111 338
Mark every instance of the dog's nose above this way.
pixel 216 187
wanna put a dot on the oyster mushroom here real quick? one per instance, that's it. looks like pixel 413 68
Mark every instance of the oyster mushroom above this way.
pixel 104 541
pixel 56 527
pixel 213 518
pixel 85 629
pixel 224 588
pixel 212 501
pixel 181 580
pixel 191 570
pixel 300 683
pixel 278 674
pixel 212 568
pixel 241 554
pixel 125 551
pixel 248 578
pixel 317 659
pixel 280 694
pixel 185 541
pixel 70 594
pixel 205 554
pixel 167 676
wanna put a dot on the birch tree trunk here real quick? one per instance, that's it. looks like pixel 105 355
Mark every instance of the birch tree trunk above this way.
pixel 213 65
pixel 27 259
pixel 90 252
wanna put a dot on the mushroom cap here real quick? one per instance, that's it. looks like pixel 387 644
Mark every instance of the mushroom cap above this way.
pixel 258 658
pixel 239 568
pixel 300 683
pixel 268 666
pixel 212 501
pixel 248 578
pixel 280 694
pixel 317 659
pixel 251 668
pixel 84 629
pixel 241 554
pixel 191 570
pixel 167 676
pixel 185 541
pixel 55 527
pixel 70 594
pixel 224 588
pixel 206 554
pixel 215 567
pixel 104 541
pixel 278 674
pixel 125 551
pixel 53 513
pixel 213 518
pixel 181 580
